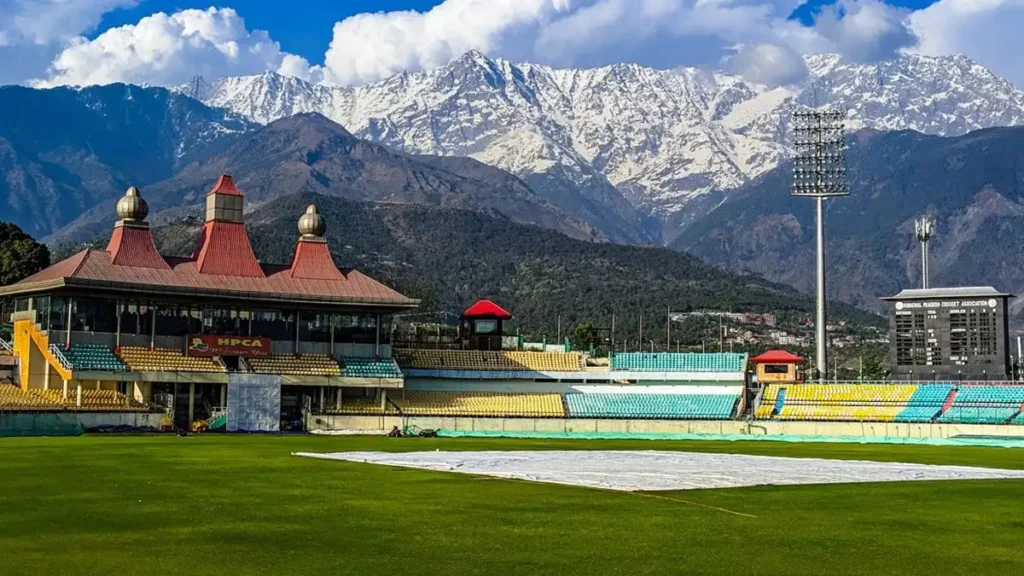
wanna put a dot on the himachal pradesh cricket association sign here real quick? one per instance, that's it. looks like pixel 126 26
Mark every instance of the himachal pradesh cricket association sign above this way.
pixel 213 345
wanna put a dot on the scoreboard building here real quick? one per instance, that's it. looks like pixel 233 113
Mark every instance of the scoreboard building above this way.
pixel 950 334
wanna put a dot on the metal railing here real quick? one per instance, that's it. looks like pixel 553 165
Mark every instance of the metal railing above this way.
pixel 55 350
pixel 6 346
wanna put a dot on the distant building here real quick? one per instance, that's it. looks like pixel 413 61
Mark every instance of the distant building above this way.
pixel 950 334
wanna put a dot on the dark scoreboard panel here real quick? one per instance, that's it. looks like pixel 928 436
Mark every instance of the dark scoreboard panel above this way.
pixel 950 339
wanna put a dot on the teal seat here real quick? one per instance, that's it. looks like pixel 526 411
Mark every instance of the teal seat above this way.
pixel 926 403
pixel 369 368
pixel 679 362
pixel 649 406
pixel 91 357
pixel 985 404
pixel 978 414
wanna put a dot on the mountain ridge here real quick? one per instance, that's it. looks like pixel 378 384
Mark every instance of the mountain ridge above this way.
pixel 665 139
pixel 310 153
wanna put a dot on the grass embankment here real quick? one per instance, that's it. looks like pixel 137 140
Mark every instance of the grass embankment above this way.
pixel 243 505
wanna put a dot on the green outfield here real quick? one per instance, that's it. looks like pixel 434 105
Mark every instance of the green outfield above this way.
pixel 221 505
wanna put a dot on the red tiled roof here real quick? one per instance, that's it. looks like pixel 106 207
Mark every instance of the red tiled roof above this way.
pixel 313 261
pixel 777 357
pixel 94 268
pixel 133 246
pixel 486 309
pixel 225 185
pixel 224 249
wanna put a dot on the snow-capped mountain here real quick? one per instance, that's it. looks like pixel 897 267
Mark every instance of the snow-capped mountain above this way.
pixel 615 143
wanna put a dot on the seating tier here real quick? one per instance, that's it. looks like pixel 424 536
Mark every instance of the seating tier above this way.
pixel 140 359
pixel 667 406
pixel 506 360
pixel 299 365
pixel 370 368
pixel 979 414
pixel 679 362
pixel 89 357
pixel 14 398
pixel 855 402
pixel 495 404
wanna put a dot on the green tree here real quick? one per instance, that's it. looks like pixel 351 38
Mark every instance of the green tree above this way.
pixel 584 336
pixel 20 254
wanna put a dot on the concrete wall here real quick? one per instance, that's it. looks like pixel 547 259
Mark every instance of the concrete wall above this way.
pixel 721 427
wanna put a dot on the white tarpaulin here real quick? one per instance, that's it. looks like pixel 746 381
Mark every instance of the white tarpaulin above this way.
pixel 656 470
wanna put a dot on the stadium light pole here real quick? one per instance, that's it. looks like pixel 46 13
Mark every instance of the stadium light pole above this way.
pixel 819 172
pixel 923 229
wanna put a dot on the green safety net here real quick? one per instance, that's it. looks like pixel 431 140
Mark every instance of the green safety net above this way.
pixel 18 424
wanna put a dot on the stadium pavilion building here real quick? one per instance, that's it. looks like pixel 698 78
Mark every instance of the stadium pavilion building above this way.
pixel 126 328
pixel 127 336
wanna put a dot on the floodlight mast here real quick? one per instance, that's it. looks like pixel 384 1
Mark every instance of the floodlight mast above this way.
pixel 819 171
pixel 923 229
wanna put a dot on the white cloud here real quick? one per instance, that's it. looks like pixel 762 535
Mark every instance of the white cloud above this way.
pixel 768 64
pixel 369 46
pixel 865 30
pixel 42 22
pixel 989 31
pixel 169 49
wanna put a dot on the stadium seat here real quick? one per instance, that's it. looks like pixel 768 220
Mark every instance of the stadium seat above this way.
pixel 140 359
pixel 370 368
pixel 662 406
pixel 925 403
pixel 14 398
pixel 679 362
pixel 985 404
pixel 496 404
pixel 769 398
pixel 89 357
pixel 481 360
pixel 854 402
pixel 297 365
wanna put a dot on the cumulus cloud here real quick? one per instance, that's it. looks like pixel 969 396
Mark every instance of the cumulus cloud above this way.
pixel 989 31
pixel 169 49
pixel 42 22
pixel 768 64
pixel 866 30
pixel 33 31
pixel 45 39
pixel 755 37
pixel 370 46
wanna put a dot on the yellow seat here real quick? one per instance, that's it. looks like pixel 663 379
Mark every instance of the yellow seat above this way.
pixel 481 360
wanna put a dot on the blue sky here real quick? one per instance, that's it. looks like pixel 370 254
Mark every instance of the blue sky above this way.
pixel 304 28
pixel 351 42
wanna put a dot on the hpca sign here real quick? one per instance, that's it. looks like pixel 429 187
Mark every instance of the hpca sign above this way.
pixel 213 345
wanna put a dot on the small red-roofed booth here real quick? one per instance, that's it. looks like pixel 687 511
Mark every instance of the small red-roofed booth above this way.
pixel 482 325
pixel 777 367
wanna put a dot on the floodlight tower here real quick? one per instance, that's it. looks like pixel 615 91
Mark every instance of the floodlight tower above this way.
pixel 819 172
pixel 923 229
